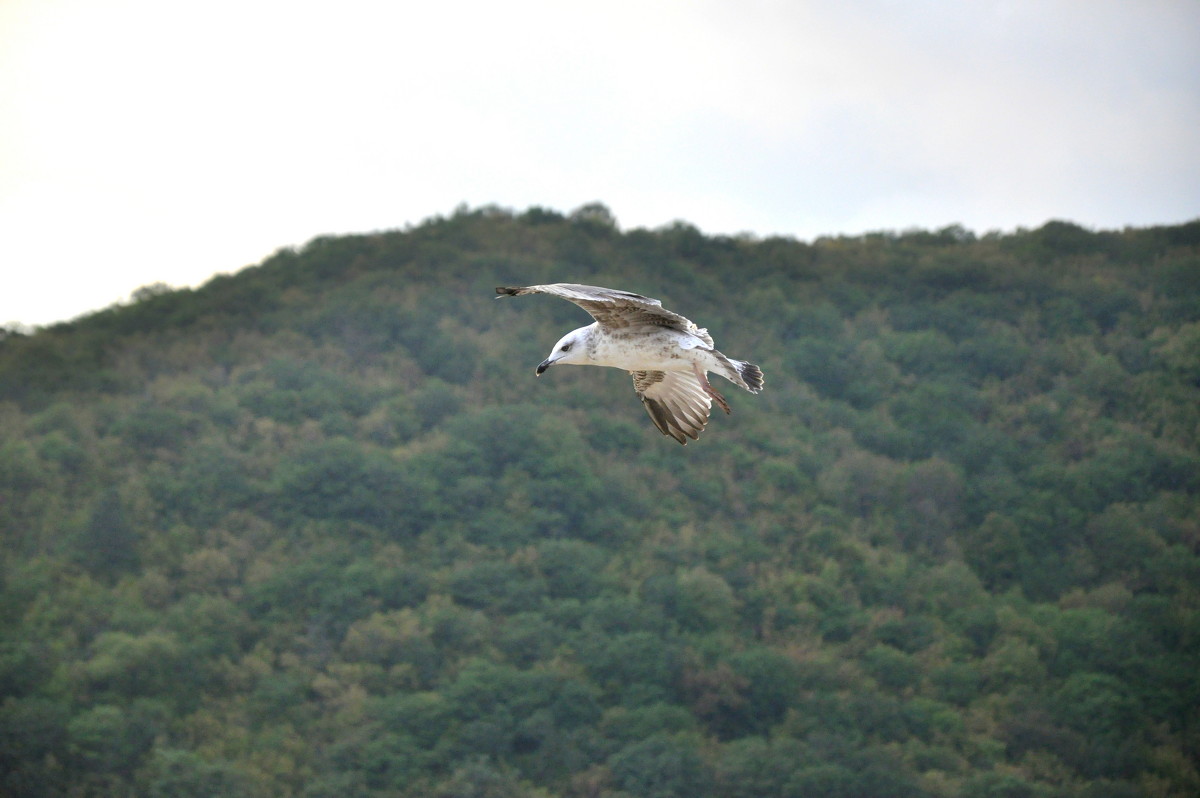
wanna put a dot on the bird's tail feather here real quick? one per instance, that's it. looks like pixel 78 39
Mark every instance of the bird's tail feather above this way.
pixel 751 375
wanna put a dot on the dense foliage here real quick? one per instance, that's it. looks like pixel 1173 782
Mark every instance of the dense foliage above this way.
pixel 314 529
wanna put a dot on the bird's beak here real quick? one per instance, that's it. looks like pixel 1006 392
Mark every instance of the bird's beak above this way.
pixel 545 364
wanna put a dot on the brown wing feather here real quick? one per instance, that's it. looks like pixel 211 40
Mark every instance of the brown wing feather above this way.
pixel 613 309
pixel 675 402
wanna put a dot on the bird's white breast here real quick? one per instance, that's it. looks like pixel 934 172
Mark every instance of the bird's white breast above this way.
pixel 653 350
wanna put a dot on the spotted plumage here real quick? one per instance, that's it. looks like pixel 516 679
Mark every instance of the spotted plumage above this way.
pixel 667 355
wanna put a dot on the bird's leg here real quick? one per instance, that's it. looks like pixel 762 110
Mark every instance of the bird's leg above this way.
pixel 708 389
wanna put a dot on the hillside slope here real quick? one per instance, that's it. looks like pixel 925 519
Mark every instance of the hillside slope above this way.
pixel 315 529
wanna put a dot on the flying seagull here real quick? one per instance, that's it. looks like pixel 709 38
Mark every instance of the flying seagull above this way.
pixel 668 355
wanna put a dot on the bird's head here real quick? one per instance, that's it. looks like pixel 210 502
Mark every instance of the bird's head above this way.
pixel 569 349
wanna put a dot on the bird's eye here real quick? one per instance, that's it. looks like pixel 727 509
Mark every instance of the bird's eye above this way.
pixel 565 348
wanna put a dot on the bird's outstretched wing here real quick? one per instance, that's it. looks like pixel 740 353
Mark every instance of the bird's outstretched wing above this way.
pixel 676 402
pixel 614 309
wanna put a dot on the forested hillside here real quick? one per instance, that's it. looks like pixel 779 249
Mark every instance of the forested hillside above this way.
pixel 315 529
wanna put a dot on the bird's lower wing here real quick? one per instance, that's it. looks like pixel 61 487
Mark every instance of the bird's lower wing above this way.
pixel 675 402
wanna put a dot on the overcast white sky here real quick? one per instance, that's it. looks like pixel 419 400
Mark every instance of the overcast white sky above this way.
pixel 145 141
